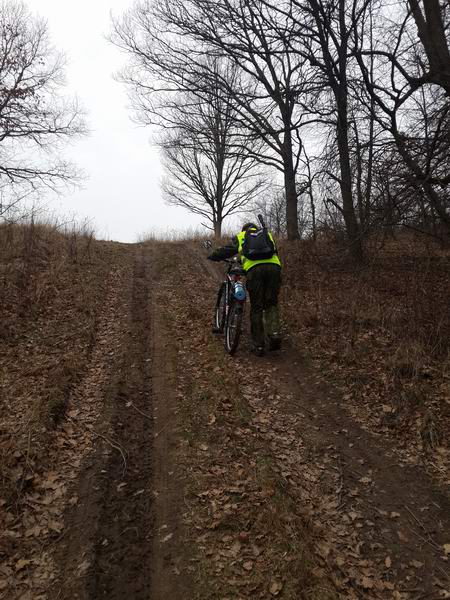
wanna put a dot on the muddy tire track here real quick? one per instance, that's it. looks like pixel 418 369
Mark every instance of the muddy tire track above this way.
pixel 107 550
pixel 395 519
pixel 123 548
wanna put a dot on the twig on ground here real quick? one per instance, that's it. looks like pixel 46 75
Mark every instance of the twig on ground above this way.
pixel 446 575
pixel 162 429
pixel 430 541
pixel 438 468
pixel 140 411
pixel 421 525
pixel 112 444
pixel 116 447
pixel 341 482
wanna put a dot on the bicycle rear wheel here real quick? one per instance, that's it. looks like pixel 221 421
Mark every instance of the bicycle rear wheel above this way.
pixel 233 327
pixel 220 310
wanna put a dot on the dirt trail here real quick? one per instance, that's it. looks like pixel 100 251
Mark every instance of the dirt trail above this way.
pixel 383 520
pixel 372 480
pixel 111 548
pixel 230 478
pixel 384 523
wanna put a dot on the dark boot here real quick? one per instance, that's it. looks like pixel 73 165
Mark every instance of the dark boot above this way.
pixel 275 342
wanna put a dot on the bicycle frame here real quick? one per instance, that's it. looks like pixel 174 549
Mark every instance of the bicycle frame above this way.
pixel 230 309
pixel 231 280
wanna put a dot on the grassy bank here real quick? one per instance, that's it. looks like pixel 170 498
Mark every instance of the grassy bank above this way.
pixel 52 285
pixel 381 332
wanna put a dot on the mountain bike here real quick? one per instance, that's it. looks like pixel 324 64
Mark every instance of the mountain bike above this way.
pixel 230 305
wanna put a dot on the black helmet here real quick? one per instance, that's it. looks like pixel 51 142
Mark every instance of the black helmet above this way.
pixel 248 226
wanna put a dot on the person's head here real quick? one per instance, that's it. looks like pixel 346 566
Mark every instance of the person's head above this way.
pixel 248 226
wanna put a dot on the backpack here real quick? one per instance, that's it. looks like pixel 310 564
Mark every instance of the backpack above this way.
pixel 257 245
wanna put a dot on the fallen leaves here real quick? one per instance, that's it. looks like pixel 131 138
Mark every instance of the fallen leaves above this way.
pixel 416 564
pixel 367 583
pixel 263 476
pixel 366 480
pixel 235 549
pixel 47 456
pixel 22 563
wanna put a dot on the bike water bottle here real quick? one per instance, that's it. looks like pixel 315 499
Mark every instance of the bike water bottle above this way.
pixel 239 291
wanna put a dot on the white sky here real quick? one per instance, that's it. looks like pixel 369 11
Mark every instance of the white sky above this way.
pixel 122 194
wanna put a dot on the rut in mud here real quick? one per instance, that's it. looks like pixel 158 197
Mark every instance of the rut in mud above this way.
pixel 109 548
pixel 123 549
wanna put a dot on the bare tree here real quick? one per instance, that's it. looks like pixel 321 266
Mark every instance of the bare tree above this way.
pixel 323 35
pixel 432 23
pixel 272 205
pixel 210 170
pixel 208 173
pixel 171 40
pixel 350 75
pixel 34 117
pixel 413 113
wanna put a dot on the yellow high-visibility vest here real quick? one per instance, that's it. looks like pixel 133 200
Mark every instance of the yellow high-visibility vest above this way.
pixel 247 264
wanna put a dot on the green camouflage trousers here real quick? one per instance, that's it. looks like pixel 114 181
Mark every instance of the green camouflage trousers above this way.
pixel 263 284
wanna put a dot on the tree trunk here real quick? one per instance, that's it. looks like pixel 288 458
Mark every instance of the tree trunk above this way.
pixel 313 214
pixel 217 228
pixel 368 195
pixel 348 209
pixel 438 206
pixel 340 90
pixel 291 205
pixel 431 30
pixel 359 176
pixel 290 189
pixel 220 163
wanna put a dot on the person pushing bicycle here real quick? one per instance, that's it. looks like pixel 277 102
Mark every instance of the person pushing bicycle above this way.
pixel 257 251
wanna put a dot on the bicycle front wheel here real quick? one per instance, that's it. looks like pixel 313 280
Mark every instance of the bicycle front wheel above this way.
pixel 233 327
pixel 220 309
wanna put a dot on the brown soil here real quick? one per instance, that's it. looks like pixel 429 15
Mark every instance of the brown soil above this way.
pixel 109 531
pixel 118 535
pixel 204 476
pixel 385 524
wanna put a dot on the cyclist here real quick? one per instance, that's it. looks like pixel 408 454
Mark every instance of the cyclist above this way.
pixel 263 283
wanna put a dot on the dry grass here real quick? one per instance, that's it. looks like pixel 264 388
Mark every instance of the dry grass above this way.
pixel 174 235
pixel 381 330
pixel 52 282
pixel 189 234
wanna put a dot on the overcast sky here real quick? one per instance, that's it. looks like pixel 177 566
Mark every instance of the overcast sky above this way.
pixel 122 194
